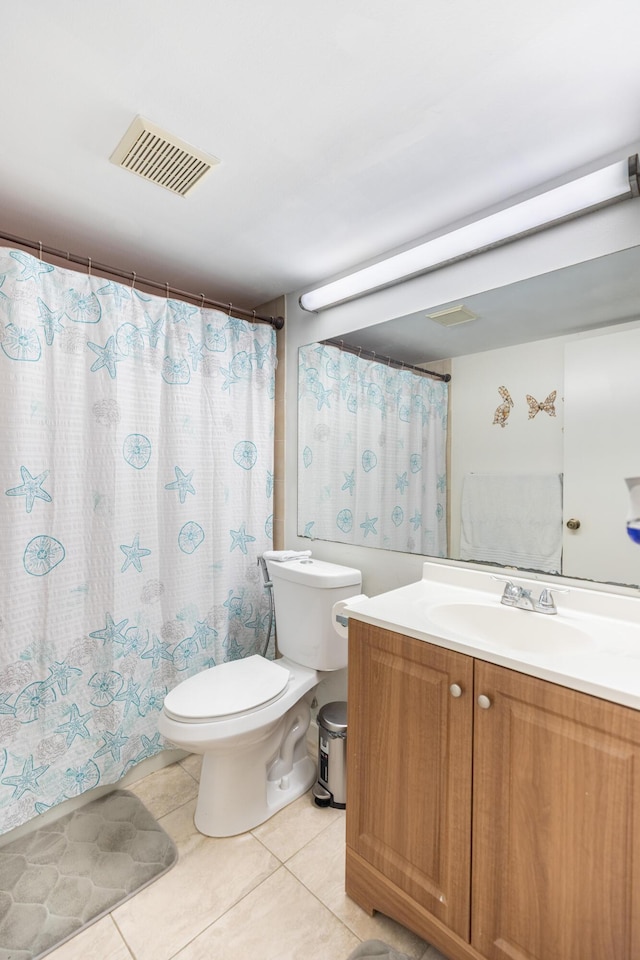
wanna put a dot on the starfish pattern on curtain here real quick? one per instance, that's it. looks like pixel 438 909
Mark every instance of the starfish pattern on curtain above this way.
pixel 136 460
pixel 371 453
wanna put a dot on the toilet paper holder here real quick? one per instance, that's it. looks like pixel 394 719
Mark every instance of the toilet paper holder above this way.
pixel 340 613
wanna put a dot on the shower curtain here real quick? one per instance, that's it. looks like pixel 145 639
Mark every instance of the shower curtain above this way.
pixel 136 439
pixel 371 453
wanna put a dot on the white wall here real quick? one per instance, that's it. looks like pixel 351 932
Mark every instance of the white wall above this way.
pixel 478 445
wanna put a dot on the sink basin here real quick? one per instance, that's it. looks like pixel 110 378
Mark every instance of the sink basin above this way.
pixel 510 628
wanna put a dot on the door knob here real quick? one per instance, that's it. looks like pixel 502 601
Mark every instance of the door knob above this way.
pixel 484 702
pixel 455 690
pixel 573 524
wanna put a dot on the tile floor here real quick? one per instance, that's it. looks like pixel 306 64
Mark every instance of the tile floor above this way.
pixel 276 892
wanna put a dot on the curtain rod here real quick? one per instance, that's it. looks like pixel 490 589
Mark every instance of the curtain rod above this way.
pixel 399 364
pixel 277 322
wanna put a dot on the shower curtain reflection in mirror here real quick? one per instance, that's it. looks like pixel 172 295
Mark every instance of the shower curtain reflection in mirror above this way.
pixel 371 453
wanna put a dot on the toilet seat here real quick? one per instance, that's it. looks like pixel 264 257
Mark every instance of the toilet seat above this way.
pixel 226 690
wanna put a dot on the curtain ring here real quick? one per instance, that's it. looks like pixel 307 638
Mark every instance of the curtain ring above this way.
pixel 230 308
pixel 166 286
pixel 88 266
pixel 202 301
pixel 40 249
pixel 133 279
pixel 254 315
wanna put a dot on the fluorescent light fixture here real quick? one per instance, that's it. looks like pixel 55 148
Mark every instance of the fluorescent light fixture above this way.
pixel 619 181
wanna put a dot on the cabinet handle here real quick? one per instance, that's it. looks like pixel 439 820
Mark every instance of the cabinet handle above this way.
pixel 484 702
pixel 573 524
pixel 455 690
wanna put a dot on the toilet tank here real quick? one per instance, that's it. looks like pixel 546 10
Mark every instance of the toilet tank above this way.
pixel 304 592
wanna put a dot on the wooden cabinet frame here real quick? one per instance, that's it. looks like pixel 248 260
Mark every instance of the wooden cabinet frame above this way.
pixel 508 833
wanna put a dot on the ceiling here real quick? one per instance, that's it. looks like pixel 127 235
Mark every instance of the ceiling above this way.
pixel 345 129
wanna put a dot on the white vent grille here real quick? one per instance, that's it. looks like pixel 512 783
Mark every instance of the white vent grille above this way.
pixel 452 316
pixel 158 156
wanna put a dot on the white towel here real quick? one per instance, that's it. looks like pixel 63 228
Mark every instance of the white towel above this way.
pixel 283 555
pixel 513 520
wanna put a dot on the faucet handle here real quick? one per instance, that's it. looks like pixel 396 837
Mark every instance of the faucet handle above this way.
pixel 509 585
pixel 546 602
pixel 511 592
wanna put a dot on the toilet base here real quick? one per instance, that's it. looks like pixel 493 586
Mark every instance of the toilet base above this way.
pixel 291 786
pixel 236 793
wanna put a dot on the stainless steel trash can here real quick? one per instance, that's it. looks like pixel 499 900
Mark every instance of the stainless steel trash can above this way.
pixel 331 788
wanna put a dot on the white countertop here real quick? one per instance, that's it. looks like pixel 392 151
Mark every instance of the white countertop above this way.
pixel 605 662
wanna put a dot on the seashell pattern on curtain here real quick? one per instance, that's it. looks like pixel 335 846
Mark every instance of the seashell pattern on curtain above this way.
pixel 371 453
pixel 136 466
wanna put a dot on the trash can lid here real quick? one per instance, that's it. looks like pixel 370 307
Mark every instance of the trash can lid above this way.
pixel 333 716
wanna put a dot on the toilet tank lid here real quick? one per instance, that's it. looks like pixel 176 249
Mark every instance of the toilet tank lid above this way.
pixel 226 689
pixel 315 573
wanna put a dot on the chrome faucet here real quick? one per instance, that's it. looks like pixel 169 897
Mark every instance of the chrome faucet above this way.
pixel 516 596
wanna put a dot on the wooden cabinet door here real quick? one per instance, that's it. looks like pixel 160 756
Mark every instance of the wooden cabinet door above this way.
pixel 556 827
pixel 409 768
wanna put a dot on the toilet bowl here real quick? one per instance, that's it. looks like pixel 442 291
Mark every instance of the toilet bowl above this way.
pixel 249 718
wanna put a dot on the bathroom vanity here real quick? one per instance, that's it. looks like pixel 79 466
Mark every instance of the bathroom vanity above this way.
pixel 494 785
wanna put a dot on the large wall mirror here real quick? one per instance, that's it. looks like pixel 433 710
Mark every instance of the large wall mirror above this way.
pixel 544 390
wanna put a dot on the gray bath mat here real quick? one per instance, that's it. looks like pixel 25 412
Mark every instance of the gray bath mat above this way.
pixel 66 875
pixel 376 950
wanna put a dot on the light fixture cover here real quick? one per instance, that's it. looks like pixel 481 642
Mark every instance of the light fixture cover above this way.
pixel 615 182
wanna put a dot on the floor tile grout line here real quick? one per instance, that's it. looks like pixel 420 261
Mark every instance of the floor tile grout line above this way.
pixel 279 863
pixel 128 948
pixel 256 887
pixel 170 812
pixel 188 772
pixel 296 852
pixel 332 912
pixel 268 849
pixel 323 904
pixel 231 906
pixel 281 866
pixel 345 923
pixel 311 840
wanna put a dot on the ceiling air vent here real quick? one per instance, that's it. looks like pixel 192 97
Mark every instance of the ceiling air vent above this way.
pixel 158 156
pixel 452 316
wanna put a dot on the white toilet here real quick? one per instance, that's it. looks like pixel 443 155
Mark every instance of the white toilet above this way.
pixel 249 718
